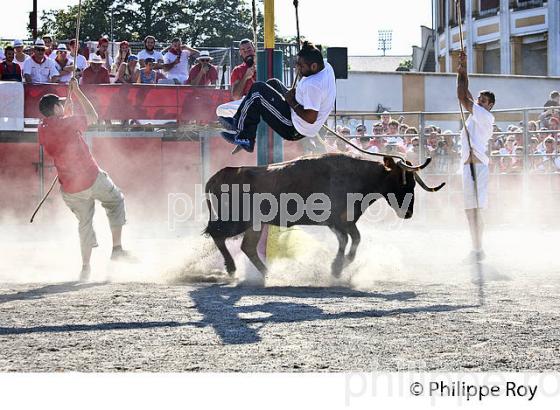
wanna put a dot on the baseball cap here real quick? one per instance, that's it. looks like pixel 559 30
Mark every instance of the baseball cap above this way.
pixel 48 101
pixel 132 57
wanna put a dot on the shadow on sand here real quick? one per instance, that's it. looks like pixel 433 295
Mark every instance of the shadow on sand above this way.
pixel 217 305
pixel 39 293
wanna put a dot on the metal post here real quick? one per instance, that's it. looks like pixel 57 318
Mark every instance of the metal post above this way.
pixel 41 169
pixel 204 137
pixel 422 124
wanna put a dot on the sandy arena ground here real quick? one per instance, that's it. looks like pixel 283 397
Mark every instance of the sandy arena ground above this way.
pixel 405 304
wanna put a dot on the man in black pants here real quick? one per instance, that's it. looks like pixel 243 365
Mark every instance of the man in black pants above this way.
pixel 293 114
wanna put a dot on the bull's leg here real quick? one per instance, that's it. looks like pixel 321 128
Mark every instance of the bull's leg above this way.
pixel 230 264
pixel 355 236
pixel 338 262
pixel 249 247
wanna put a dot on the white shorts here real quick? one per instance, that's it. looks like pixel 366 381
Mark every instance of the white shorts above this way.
pixel 82 204
pixel 482 176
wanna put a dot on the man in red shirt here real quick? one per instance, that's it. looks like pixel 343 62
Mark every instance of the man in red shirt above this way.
pixel 9 70
pixel 244 75
pixel 82 181
pixel 203 72
pixel 95 73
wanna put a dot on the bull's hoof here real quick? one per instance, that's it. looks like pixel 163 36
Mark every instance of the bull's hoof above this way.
pixel 336 268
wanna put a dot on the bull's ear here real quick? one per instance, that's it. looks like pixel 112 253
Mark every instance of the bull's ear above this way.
pixel 389 163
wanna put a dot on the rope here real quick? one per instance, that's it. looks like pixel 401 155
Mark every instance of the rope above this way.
pixel 471 152
pixel 472 167
pixel 55 180
pixel 255 38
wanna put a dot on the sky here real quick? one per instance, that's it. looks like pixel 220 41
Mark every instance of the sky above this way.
pixel 349 23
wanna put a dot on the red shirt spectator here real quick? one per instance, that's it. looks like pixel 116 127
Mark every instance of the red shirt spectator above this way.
pixel 95 73
pixel 208 78
pixel 238 73
pixel 62 138
pixel 9 70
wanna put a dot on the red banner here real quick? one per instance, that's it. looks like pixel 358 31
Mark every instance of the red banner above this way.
pixel 138 101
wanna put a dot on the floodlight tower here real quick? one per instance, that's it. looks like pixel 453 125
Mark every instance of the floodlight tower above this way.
pixel 384 40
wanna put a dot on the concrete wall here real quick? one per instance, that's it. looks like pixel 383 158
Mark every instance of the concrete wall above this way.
pixel 363 92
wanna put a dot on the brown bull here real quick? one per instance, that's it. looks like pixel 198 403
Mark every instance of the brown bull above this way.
pixel 333 189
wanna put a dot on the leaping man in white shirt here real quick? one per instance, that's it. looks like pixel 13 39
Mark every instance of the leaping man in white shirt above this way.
pixel 294 114
pixel 474 146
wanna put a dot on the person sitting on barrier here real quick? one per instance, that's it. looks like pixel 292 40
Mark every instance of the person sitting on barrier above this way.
pixel 393 141
pixel 49 46
pixel 377 142
pixel 128 72
pixel 176 62
pixel 203 72
pixel 9 70
pixel 63 64
pixel 550 161
pixel 244 75
pixel 95 73
pixel 82 63
pixel 39 69
pixel 149 51
pixel 294 114
pixel 147 74
pixel 103 53
pixel 385 119
pixel 20 56
pixel 122 57
pixel 81 180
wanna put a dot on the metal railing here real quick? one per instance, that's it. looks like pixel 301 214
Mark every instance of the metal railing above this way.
pixel 528 155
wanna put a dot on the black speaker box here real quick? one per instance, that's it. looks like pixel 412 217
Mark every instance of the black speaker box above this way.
pixel 338 59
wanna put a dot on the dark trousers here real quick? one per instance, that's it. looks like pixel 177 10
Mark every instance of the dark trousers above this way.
pixel 266 100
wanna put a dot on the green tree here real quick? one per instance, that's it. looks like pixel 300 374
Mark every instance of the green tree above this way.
pixel 197 22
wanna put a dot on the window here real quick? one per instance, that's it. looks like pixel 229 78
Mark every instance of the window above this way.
pixel 489 7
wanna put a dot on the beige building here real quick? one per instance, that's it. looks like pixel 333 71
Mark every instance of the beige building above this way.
pixel 520 37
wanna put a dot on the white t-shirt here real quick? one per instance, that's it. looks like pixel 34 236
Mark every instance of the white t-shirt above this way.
pixel 316 92
pixel 179 71
pixel 480 125
pixel 144 54
pixel 40 73
pixel 64 77
pixel 20 63
pixel 82 62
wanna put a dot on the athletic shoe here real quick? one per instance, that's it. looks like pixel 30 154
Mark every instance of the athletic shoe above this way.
pixel 474 257
pixel 85 273
pixel 120 255
pixel 245 143
pixel 228 123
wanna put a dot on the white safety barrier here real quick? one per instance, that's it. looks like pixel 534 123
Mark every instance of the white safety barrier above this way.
pixel 11 106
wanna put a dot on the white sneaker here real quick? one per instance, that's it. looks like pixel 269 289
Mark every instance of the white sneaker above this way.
pixel 474 257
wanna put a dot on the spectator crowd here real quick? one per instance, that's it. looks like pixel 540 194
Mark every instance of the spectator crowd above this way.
pixel 506 148
pixel 47 61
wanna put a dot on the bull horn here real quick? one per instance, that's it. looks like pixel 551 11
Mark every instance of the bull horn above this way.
pixel 426 187
pixel 411 168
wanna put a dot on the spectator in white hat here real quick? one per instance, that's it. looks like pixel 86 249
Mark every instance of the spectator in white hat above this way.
pixel 96 73
pixel 20 57
pixel 203 72
pixel 63 64
pixel 39 69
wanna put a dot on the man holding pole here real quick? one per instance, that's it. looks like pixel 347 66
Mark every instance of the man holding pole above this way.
pixel 82 181
pixel 474 144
